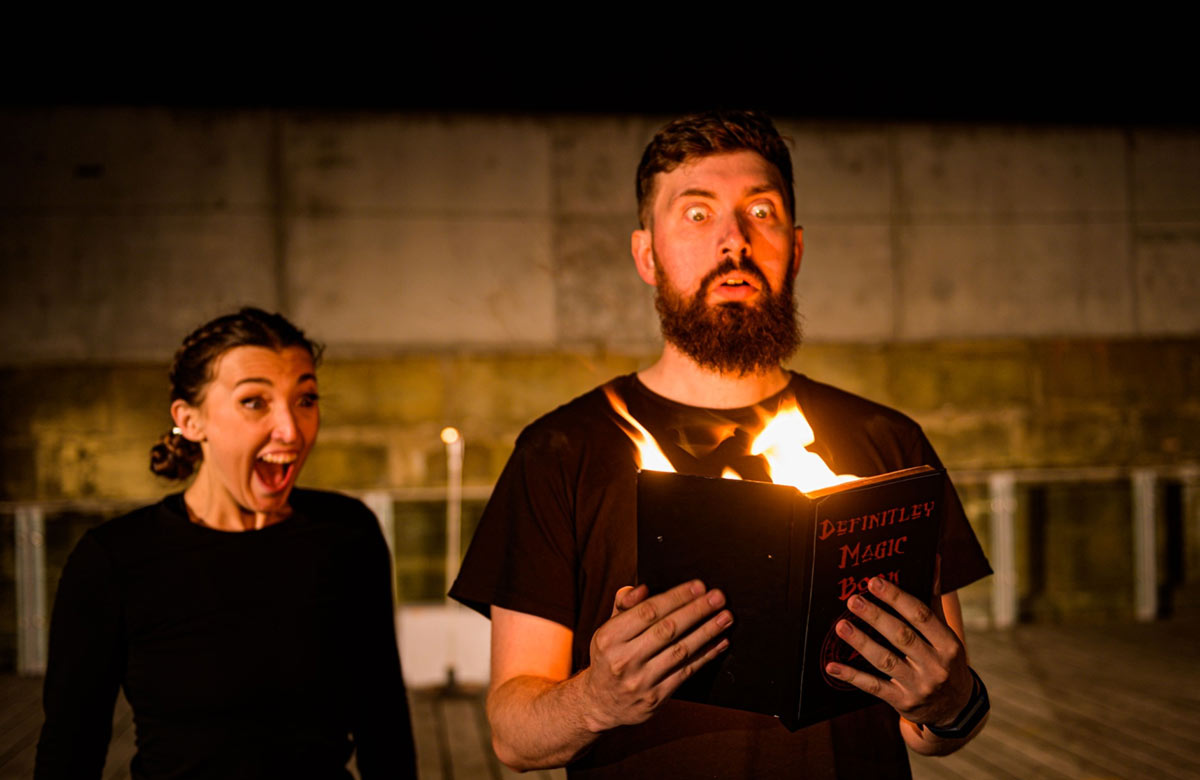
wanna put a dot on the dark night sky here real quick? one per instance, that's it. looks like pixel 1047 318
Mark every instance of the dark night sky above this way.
pixel 1024 74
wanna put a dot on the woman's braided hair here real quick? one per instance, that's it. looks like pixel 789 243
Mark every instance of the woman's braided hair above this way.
pixel 175 457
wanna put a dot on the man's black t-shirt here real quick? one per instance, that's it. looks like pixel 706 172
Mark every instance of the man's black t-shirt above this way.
pixel 558 539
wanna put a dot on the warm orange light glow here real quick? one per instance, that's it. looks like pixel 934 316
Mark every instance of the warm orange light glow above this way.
pixel 650 457
pixel 782 443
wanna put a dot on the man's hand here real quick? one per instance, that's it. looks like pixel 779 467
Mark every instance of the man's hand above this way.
pixel 648 648
pixel 930 682
pixel 542 717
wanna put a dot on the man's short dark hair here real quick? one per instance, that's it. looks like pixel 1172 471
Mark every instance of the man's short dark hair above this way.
pixel 712 132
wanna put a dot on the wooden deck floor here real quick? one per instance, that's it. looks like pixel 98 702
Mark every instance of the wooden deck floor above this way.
pixel 1117 701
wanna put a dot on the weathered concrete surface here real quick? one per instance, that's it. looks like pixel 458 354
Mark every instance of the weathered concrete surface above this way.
pixel 85 430
pixel 843 173
pixel 515 230
pixel 593 162
pixel 1167 277
pixel 1004 174
pixel 423 281
pixel 96 287
pixel 1014 280
pixel 135 161
pixel 417 165
pixel 846 290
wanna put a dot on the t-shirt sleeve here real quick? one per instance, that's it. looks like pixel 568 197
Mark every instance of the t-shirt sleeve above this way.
pixel 523 554
pixel 963 561
pixel 85 667
pixel 382 725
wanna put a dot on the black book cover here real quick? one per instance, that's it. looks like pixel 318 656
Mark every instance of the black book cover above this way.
pixel 787 562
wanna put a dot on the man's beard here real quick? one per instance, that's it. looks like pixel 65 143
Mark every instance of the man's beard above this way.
pixel 732 337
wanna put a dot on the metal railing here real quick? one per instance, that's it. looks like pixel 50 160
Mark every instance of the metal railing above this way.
pixel 1001 486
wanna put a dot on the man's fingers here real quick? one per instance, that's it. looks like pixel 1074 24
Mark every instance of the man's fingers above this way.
pixel 629 597
pixel 636 620
pixel 888 663
pixel 689 648
pixel 911 645
pixel 873 685
pixel 918 614
pixel 687 669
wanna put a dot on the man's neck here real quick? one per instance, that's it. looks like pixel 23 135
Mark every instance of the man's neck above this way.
pixel 678 377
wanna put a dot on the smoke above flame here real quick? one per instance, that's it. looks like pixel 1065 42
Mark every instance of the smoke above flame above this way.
pixel 782 444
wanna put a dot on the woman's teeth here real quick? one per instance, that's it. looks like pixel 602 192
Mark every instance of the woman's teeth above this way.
pixel 278 457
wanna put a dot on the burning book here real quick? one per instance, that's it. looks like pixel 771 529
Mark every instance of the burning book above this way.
pixel 788 554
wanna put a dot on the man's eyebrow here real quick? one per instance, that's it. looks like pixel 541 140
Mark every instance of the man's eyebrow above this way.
pixel 758 189
pixel 696 192
pixel 761 188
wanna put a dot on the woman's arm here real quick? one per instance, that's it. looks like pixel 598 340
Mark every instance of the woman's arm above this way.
pixel 86 663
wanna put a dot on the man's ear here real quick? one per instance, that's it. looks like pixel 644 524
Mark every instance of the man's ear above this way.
pixel 187 420
pixel 641 244
pixel 798 251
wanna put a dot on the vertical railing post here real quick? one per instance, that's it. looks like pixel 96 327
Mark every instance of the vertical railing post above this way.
pixel 30 530
pixel 454 462
pixel 1144 484
pixel 1002 490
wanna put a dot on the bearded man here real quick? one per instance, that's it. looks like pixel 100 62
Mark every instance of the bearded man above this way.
pixel 583 665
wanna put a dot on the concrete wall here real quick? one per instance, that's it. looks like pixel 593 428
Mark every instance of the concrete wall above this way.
pixel 122 228
pixel 1026 293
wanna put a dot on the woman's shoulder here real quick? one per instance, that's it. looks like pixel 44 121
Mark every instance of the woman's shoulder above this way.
pixel 329 507
pixel 134 523
pixel 324 502
pixel 133 535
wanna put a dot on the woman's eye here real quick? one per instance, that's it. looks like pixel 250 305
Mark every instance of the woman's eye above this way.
pixel 254 403
pixel 309 399
pixel 695 214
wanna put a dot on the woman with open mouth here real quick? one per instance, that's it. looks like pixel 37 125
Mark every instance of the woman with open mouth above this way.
pixel 249 622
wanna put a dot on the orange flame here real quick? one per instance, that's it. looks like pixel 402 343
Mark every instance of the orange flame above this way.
pixel 650 457
pixel 782 443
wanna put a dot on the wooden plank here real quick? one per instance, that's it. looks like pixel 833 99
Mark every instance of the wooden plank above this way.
pixel 465 741
pixel 426 730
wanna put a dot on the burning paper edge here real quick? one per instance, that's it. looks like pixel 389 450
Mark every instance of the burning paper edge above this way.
pixel 649 456
pixel 783 444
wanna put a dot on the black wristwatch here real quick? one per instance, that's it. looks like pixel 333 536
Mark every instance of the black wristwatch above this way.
pixel 977 707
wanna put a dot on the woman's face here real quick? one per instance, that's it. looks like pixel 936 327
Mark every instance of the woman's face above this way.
pixel 256 424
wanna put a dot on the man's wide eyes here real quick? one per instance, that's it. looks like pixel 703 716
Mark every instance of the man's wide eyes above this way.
pixel 761 210
pixel 695 214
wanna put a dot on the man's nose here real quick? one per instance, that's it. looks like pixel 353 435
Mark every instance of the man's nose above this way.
pixel 735 235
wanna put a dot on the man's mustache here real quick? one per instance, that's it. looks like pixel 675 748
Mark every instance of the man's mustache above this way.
pixel 729 265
